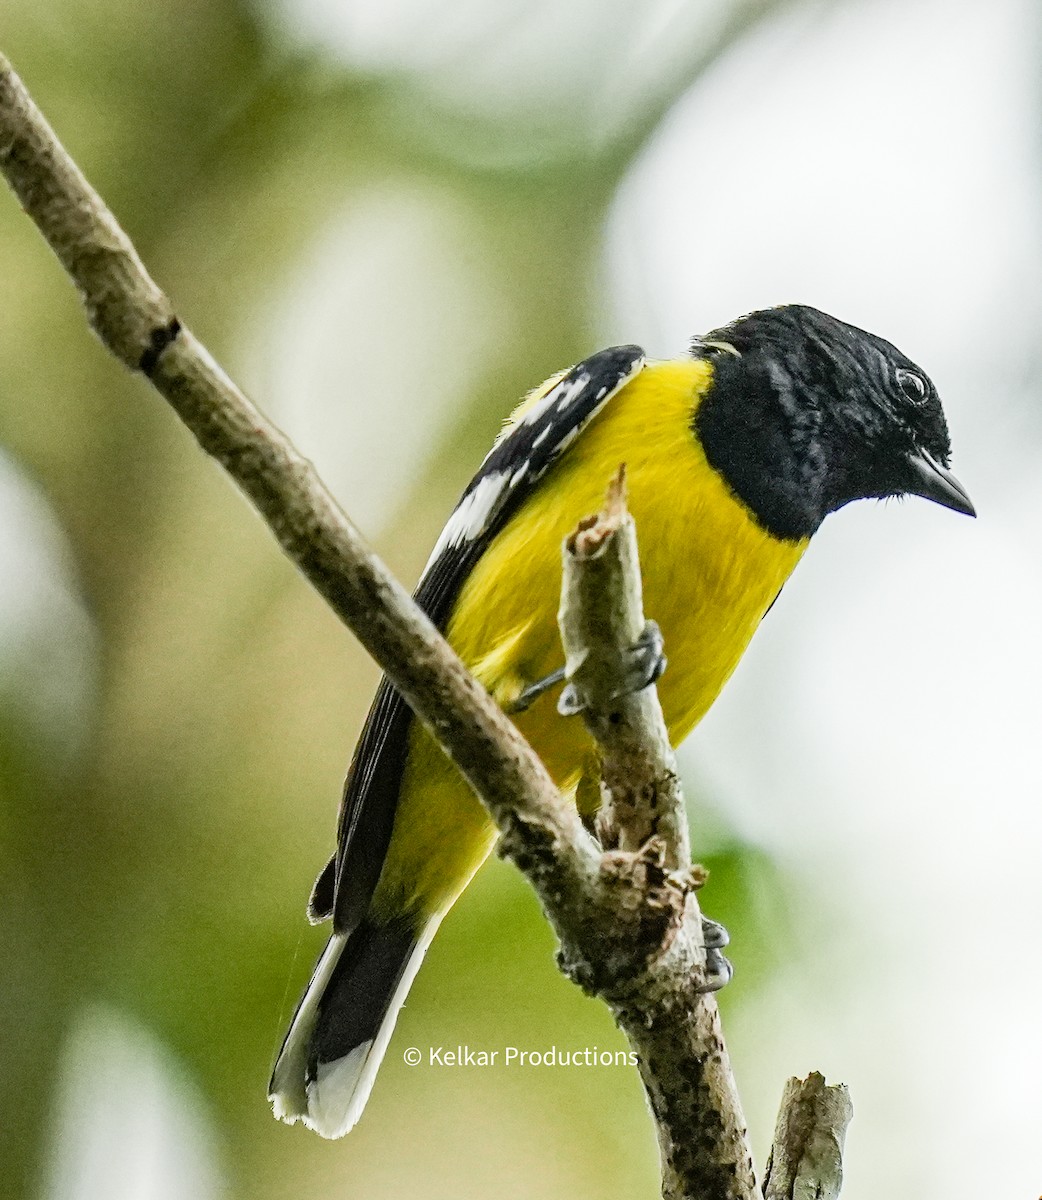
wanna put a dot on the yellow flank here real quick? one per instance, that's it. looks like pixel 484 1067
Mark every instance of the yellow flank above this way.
pixel 709 571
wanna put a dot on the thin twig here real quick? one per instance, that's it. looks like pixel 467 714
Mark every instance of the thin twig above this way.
pixel 601 618
pixel 656 965
pixel 136 321
pixel 806 1161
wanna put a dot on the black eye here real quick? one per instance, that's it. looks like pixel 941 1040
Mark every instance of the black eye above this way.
pixel 913 385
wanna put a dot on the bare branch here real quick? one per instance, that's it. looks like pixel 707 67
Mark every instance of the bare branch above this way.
pixel 656 966
pixel 601 618
pixel 806 1161
pixel 125 308
pixel 136 322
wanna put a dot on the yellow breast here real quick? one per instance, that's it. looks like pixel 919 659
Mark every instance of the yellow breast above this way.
pixel 710 572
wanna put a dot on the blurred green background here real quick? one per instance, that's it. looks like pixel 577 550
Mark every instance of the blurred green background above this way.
pixel 389 221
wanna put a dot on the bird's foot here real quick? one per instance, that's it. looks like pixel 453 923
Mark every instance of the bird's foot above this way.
pixel 718 968
pixel 534 690
pixel 642 665
pixel 645 661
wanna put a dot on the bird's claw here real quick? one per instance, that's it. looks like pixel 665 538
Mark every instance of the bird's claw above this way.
pixel 645 661
pixel 642 666
pixel 535 690
pixel 718 968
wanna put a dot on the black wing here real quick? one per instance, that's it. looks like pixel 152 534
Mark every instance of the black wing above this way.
pixel 507 477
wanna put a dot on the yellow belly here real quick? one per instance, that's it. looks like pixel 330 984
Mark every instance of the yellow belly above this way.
pixel 710 573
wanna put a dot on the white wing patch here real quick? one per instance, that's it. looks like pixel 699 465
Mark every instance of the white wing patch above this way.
pixel 544 425
pixel 562 394
pixel 472 513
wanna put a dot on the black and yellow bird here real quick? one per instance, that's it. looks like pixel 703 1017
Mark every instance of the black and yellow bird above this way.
pixel 734 456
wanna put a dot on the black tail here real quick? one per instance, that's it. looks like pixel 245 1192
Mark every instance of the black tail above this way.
pixel 338 1036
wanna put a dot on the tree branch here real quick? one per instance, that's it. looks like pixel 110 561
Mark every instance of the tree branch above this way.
pixel 806 1161
pixel 650 970
pixel 136 321
pixel 626 917
pixel 601 618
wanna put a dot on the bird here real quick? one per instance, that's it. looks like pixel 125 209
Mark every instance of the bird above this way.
pixel 734 454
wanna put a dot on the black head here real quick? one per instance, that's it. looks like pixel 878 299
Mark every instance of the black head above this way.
pixel 806 413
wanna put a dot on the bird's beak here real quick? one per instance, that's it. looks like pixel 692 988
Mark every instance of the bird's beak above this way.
pixel 934 482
